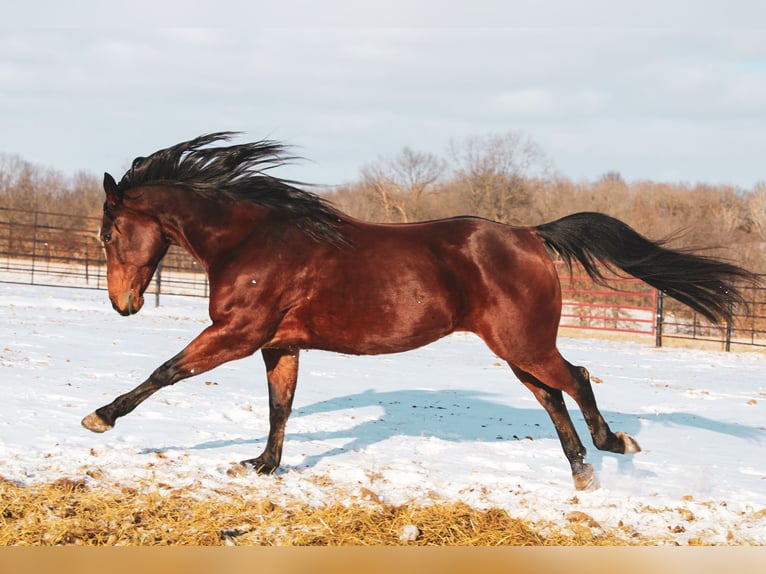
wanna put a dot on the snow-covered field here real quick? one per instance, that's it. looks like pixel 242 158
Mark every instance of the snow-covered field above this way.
pixel 444 422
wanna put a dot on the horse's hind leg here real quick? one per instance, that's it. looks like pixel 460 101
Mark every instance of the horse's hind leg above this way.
pixel 282 376
pixel 552 401
pixel 603 437
pixel 547 378
pixel 559 374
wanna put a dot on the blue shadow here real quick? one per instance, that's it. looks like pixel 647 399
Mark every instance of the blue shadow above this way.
pixel 463 415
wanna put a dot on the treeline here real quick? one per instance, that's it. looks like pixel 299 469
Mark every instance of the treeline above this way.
pixel 30 187
pixel 504 177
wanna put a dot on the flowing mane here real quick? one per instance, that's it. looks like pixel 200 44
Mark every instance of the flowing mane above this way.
pixel 236 172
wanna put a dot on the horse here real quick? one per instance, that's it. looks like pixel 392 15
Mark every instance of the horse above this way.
pixel 288 271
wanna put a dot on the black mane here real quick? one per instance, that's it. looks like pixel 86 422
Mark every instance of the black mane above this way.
pixel 236 172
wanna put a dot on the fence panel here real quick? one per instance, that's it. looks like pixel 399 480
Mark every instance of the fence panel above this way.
pixel 52 249
pixel 748 326
pixel 627 307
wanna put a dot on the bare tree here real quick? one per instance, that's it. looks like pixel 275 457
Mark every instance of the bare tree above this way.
pixel 21 183
pixel 401 183
pixel 26 186
pixel 756 218
pixel 493 172
pixel 756 208
pixel 378 185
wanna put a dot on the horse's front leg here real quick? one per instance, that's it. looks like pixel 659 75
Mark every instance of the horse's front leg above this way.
pixel 216 345
pixel 282 376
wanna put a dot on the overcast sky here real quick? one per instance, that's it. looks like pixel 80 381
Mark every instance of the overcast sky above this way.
pixel 672 91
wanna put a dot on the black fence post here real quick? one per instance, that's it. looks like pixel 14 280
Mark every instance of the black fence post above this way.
pixel 658 319
pixel 34 249
pixel 729 319
pixel 158 284
pixel 86 246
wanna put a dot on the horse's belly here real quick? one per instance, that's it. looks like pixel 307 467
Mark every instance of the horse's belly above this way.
pixel 367 333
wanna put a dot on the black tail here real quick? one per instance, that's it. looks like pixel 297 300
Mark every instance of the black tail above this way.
pixel 705 284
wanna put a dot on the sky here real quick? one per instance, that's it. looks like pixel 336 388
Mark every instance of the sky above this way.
pixel 667 91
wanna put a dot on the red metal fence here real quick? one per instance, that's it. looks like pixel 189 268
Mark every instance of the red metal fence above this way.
pixel 39 248
pixel 635 307
pixel 629 307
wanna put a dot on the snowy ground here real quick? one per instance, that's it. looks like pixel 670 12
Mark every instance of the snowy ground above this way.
pixel 445 422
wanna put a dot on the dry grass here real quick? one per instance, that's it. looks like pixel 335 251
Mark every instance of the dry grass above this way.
pixel 69 512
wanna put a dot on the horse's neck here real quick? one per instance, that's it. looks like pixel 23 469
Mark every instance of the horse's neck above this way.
pixel 206 228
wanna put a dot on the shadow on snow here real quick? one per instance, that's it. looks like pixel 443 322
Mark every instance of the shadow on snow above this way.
pixel 467 416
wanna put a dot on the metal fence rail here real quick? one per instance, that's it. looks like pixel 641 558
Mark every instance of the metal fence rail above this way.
pixel 628 307
pixel 61 250
pixel 53 249
pixel 748 328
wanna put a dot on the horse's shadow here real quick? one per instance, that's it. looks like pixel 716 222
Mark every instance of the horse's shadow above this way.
pixel 464 416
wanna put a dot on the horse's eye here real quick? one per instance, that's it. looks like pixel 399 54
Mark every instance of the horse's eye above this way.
pixel 106 238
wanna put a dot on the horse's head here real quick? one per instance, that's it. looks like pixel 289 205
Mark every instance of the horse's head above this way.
pixel 134 244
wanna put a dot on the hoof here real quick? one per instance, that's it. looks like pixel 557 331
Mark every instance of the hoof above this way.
pixel 95 423
pixel 630 445
pixel 586 478
pixel 259 466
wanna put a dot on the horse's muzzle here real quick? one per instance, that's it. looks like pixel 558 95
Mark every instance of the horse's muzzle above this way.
pixel 127 303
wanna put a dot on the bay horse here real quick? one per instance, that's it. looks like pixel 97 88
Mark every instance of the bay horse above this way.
pixel 287 271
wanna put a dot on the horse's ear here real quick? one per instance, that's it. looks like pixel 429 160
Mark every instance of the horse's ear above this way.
pixel 112 192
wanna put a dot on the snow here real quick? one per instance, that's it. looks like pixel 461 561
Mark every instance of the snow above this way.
pixel 446 422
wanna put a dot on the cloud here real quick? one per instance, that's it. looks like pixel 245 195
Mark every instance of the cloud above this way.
pixel 647 102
